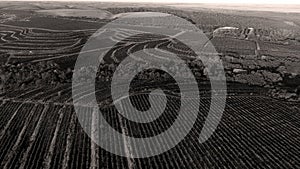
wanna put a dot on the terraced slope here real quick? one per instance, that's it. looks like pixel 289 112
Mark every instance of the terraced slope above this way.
pixel 31 44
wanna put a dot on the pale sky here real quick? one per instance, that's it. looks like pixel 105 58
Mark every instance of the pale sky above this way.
pixel 192 1
pixel 213 1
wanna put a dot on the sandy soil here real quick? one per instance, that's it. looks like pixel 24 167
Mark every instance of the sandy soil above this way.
pixel 97 13
pixel 141 15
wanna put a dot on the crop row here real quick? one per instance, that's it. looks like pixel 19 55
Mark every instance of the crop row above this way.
pixel 83 93
pixel 253 130
pixel 13 126
pixel 250 133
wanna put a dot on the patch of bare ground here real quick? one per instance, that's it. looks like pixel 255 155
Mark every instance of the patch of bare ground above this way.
pixel 89 13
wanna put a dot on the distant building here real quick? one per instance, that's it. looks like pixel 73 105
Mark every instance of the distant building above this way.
pixel 250 33
pixel 226 32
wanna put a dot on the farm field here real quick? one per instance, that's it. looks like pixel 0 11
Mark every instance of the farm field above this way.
pixel 77 13
pixel 40 43
pixel 26 44
pixel 31 19
pixel 48 135
pixel 241 47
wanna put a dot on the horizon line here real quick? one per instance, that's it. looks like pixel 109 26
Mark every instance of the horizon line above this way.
pixel 156 2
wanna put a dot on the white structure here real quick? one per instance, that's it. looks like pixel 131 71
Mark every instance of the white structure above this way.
pixel 251 33
pixel 226 31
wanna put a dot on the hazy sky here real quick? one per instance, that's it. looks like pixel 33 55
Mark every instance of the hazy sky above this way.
pixel 215 1
pixel 193 1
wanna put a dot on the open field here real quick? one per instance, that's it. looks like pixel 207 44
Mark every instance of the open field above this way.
pixel 32 19
pixel 77 13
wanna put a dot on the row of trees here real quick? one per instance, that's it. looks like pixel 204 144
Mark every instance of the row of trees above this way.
pixel 22 75
pixel 28 74
pixel 105 72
